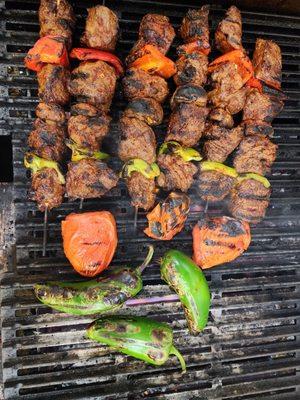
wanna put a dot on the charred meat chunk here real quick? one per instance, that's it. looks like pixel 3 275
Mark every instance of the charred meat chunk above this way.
pixel 93 83
pixel 214 186
pixel 221 117
pixel 89 178
pixel 255 154
pixel 56 18
pixel 46 189
pixel 228 35
pixel 220 141
pixel 137 140
pixel 141 190
pixel 195 26
pixel 187 123
pixel 53 83
pixel 228 92
pixel 154 29
pixel 47 140
pixel 88 132
pixel 101 29
pixel 261 109
pixel 249 200
pixel 138 83
pixel 191 68
pixel 267 62
pixel 189 94
pixel 51 113
pixel 175 173
pixel 263 129
pixel 146 110
pixel 84 109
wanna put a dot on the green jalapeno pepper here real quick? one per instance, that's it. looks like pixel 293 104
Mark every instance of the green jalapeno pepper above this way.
pixel 36 164
pixel 189 282
pixel 139 337
pixel 186 153
pixel 79 153
pixel 149 171
pixel 94 296
pixel 256 177
pixel 216 166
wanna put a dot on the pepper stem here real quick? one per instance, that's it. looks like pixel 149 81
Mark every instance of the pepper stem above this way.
pixel 180 358
pixel 147 260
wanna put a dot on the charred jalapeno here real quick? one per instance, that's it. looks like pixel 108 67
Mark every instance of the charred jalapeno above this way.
pixel 189 282
pixel 106 293
pixel 139 337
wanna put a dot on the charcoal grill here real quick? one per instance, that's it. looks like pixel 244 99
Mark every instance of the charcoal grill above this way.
pixel 250 348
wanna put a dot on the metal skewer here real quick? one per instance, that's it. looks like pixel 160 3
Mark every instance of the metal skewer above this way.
pixel 81 203
pixel 206 207
pixel 45 227
pixel 136 210
pixel 169 298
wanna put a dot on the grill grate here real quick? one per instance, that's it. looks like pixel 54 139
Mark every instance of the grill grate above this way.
pixel 250 348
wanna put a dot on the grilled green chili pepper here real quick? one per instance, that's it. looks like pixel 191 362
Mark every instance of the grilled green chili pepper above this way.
pixel 150 171
pixel 36 163
pixel 216 166
pixel 189 282
pixel 139 337
pixel 93 296
pixel 186 153
pixel 256 177
pixel 79 153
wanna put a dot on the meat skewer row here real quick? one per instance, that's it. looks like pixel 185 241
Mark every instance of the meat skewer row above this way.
pixel 188 103
pixel 256 153
pixel 49 58
pixel 145 87
pixel 228 75
pixel 93 85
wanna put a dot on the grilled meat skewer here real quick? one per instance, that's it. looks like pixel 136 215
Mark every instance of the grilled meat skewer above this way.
pixel 145 92
pixel 93 85
pixel 189 112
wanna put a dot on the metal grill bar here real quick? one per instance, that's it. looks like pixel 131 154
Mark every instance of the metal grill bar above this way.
pixel 250 348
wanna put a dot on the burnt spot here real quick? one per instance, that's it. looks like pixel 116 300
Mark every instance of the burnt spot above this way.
pixel 187 74
pixel 159 335
pixel 127 277
pixel 212 243
pixel 142 106
pixel 232 228
pixel 155 355
pixel 92 294
pixel 79 75
pixel 189 94
pixel 114 297
pixel 134 83
pixel 48 138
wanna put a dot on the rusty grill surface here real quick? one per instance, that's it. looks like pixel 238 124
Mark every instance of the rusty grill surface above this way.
pixel 250 348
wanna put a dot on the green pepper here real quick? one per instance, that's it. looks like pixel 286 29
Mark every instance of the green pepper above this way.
pixel 256 177
pixel 186 153
pixel 150 171
pixel 79 153
pixel 189 282
pixel 216 166
pixel 36 164
pixel 139 337
pixel 106 293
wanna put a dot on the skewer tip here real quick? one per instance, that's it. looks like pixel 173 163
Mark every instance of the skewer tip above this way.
pixel 81 203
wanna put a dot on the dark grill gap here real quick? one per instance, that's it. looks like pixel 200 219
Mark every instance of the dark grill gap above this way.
pixel 250 349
